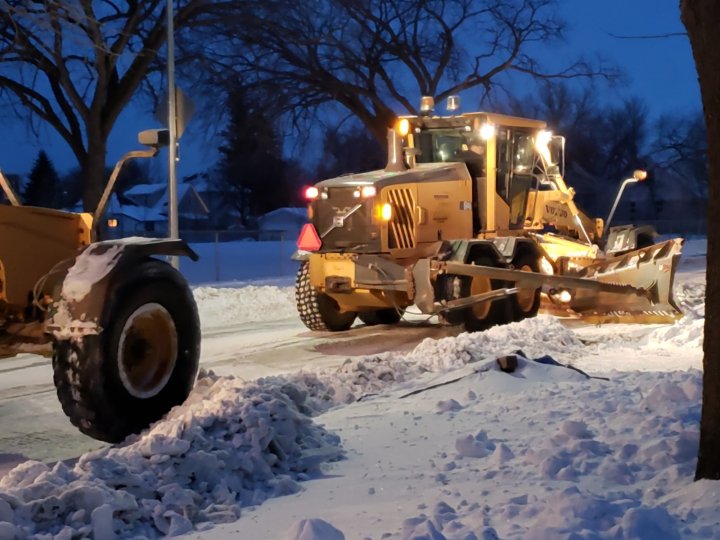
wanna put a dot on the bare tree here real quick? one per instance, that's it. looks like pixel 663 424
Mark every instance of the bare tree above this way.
pixel 702 20
pixel 376 57
pixel 76 64
pixel 681 145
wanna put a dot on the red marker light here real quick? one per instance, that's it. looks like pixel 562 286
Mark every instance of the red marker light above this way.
pixel 309 240
pixel 311 193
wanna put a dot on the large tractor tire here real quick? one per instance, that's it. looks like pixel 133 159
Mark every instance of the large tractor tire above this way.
pixel 480 316
pixel 374 317
pixel 526 302
pixel 142 363
pixel 484 315
pixel 317 310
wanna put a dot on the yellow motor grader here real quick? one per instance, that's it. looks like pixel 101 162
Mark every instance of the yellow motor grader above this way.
pixel 472 220
pixel 122 322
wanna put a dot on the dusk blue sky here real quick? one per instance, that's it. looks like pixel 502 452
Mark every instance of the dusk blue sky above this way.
pixel 659 71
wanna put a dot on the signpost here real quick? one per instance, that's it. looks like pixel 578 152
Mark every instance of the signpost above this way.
pixel 177 115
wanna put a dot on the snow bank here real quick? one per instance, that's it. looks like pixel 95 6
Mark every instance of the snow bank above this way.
pixel 230 306
pixel 540 453
pixel 230 445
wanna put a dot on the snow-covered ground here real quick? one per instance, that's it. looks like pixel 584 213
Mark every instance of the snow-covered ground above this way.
pixel 432 443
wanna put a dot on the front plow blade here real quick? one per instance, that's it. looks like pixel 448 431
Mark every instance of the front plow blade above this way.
pixel 650 271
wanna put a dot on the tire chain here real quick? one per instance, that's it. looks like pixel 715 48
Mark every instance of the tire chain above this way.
pixel 307 300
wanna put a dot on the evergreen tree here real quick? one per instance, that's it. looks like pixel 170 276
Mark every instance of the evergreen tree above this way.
pixel 352 150
pixel 70 189
pixel 41 189
pixel 251 164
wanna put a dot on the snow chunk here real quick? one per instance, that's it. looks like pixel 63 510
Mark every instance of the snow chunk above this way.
pixel 477 447
pixel 314 529
pixel 649 524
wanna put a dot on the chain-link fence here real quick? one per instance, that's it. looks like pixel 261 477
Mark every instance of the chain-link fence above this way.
pixel 236 256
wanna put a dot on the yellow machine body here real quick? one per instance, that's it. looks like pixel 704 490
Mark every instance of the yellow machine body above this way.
pixel 32 242
pixel 507 201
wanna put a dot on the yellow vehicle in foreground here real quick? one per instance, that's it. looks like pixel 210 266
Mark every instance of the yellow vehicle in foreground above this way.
pixel 122 322
pixel 472 220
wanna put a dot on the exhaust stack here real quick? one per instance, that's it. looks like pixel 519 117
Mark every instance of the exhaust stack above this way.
pixel 396 161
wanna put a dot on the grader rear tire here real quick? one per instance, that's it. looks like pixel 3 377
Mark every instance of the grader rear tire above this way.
pixel 143 362
pixel 317 310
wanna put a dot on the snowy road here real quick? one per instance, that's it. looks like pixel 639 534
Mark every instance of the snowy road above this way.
pixel 436 441
pixel 32 424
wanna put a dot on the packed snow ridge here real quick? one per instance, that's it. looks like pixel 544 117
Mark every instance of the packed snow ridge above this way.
pixel 230 445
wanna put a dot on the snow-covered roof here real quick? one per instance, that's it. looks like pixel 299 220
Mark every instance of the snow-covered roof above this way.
pixel 145 189
pixel 292 212
pixel 204 185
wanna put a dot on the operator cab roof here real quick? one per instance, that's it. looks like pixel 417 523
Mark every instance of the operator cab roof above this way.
pixel 468 119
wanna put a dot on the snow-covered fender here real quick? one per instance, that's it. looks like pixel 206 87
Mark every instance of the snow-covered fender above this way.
pixel 78 303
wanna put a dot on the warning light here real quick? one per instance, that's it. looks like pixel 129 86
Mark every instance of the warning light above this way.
pixel 309 240
pixel 403 127
pixel 311 193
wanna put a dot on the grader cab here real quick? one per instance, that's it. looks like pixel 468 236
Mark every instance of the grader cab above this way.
pixel 472 220
pixel 121 322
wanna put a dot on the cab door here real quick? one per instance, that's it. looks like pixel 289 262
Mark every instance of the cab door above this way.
pixel 522 178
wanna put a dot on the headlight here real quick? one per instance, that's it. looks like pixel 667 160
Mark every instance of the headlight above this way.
pixel 487 131
pixel 385 212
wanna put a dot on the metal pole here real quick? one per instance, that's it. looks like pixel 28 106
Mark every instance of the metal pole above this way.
pixel 615 204
pixel 173 231
pixel 217 256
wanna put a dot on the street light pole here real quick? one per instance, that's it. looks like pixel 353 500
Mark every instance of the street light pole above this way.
pixel 173 231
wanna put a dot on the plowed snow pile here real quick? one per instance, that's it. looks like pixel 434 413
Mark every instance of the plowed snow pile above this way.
pixel 232 306
pixel 436 444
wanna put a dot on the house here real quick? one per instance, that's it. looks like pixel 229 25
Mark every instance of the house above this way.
pixel 667 200
pixel 215 198
pixel 151 201
pixel 282 224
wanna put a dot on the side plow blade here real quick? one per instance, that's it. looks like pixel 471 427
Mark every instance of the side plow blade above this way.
pixel 649 271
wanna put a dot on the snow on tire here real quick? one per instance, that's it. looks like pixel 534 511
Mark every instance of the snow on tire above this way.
pixel 143 363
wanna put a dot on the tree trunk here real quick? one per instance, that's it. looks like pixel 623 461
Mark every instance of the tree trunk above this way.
pixel 93 170
pixel 702 20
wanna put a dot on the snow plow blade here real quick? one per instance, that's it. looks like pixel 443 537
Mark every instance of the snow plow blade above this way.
pixel 650 271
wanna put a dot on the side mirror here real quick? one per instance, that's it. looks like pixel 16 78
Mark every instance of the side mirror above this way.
pixel 155 138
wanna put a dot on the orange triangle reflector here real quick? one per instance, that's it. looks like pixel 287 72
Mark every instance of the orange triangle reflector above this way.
pixel 309 240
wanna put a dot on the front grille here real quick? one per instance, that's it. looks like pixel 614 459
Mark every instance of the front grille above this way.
pixel 355 231
pixel 401 230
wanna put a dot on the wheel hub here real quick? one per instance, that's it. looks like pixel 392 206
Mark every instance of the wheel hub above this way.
pixel 525 297
pixel 480 285
pixel 147 351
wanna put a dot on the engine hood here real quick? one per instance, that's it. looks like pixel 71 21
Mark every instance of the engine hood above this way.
pixel 425 172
